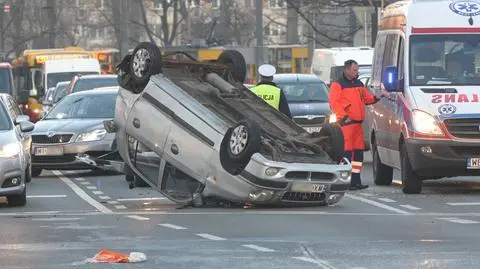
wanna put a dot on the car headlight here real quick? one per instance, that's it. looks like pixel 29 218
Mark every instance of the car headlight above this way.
pixel 10 150
pixel 425 123
pixel 332 118
pixel 272 171
pixel 345 175
pixel 92 135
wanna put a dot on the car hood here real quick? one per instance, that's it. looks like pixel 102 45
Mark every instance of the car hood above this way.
pixel 68 125
pixel 309 108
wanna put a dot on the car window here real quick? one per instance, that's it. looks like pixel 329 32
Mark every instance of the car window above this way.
pixel 5 81
pixel 15 107
pixel 60 92
pixel 92 83
pixel 304 91
pixel 5 120
pixel 95 106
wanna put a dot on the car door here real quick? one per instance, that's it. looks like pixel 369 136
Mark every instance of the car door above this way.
pixel 147 128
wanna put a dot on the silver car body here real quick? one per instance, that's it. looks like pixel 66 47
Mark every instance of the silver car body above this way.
pixel 14 149
pixel 180 132
pixel 55 143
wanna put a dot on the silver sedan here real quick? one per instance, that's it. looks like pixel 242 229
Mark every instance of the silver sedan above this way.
pixel 72 128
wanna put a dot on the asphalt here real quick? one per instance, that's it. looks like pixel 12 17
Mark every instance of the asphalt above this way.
pixel 71 216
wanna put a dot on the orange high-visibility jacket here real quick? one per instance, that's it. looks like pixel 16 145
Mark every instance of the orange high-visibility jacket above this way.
pixel 348 98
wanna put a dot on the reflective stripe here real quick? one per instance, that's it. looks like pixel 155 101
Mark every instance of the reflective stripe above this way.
pixel 269 94
pixel 356 170
pixel 357 163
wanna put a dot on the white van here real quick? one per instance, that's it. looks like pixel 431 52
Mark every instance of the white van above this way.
pixel 328 63
pixel 429 128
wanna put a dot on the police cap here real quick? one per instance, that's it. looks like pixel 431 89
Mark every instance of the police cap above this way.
pixel 267 70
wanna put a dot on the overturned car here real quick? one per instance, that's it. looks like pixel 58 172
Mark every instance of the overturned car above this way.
pixel 193 131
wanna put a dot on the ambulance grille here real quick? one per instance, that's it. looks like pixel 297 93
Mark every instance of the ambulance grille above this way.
pixel 464 128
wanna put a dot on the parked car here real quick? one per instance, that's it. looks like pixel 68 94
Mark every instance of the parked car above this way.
pixel 194 132
pixel 307 98
pixel 60 91
pixel 74 126
pixel 15 161
pixel 88 82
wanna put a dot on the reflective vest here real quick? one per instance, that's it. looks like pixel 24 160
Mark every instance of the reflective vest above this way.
pixel 269 94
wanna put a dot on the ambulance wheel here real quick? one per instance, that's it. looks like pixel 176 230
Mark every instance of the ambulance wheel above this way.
pixel 36 171
pixel 238 145
pixel 334 145
pixel 410 181
pixel 235 60
pixel 382 174
pixel 146 61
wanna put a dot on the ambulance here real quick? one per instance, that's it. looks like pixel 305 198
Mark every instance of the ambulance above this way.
pixel 427 56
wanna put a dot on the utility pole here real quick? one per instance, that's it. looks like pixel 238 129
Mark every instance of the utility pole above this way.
pixel 52 17
pixel 124 16
pixel 259 32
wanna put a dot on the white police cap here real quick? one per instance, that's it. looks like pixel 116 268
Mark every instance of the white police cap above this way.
pixel 267 70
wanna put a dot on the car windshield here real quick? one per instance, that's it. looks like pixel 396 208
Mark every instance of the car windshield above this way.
pixel 304 91
pixel 94 106
pixel 86 84
pixel 5 81
pixel 60 92
pixel 5 121
pixel 54 78
pixel 445 59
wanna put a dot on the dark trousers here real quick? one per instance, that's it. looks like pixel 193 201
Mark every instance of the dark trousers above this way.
pixel 356 158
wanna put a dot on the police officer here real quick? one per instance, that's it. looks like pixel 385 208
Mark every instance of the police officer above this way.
pixel 348 97
pixel 269 91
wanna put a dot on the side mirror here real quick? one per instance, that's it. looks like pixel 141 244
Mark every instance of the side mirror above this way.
pixel 21 118
pixel 390 79
pixel 26 126
pixel 110 126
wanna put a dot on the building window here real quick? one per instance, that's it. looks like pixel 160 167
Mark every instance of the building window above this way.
pixel 267 30
pixel 277 3
pixel 156 4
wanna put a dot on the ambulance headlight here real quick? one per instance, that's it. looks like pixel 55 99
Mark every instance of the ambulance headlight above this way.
pixel 425 123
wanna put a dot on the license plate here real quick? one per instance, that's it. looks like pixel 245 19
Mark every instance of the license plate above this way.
pixel 313 129
pixel 313 188
pixel 48 151
pixel 473 163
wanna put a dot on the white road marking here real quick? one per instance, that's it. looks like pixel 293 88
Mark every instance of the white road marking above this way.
pixel 377 204
pixel 321 263
pixel 168 225
pixel 97 192
pixel 113 202
pixel 47 196
pixel 91 187
pixel 367 194
pixel 82 194
pixel 259 248
pixel 386 200
pixel 142 199
pixel 79 179
pixel 104 197
pixel 460 221
pixel 85 183
pixel 411 207
pixel 56 219
pixel 211 237
pixel 472 203
pixel 137 217
pixel 120 207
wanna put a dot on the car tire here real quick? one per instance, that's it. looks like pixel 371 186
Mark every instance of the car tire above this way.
pixel 236 61
pixel 28 173
pixel 410 181
pixel 334 145
pixel 146 60
pixel 36 171
pixel 19 199
pixel 238 145
pixel 382 174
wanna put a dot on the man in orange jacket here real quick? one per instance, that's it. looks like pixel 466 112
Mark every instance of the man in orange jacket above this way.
pixel 348 97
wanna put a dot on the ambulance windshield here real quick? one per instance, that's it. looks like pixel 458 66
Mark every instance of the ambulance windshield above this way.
pixel 446 59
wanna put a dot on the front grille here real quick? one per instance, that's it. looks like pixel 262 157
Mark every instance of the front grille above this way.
pixel 303 197
pixel 317 120
pixel 314 176
pixel 464 128
pixel 56 139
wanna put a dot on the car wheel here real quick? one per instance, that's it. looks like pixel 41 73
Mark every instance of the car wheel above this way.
pixel 36 171
pixel 334 144
pixel 146 61
pixel 239 144
pixel 28 173
pixel 19 199
pixel 382 174
pixel 235 60
pixel 410 181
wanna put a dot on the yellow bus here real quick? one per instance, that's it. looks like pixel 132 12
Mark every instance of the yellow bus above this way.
pixel 108 58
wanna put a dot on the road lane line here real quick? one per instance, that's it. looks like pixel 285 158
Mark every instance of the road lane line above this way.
pixel 56 219
pixel 47 196
pixel 113 202
pixel 322 264
pixel 104 197
pixel 142 199
pixel 259 248
pixel 472 203
pixel 97 192
pixel 120 207
pixel 171 226
pixel 85 183
pixel 367 194
pixel 460 221
pixel 211 237
pixel 137 217
pixel 91 187
pixel 81 193
pixel 377 204
pixel 386 200
pixel 79 179
pixel 411 207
